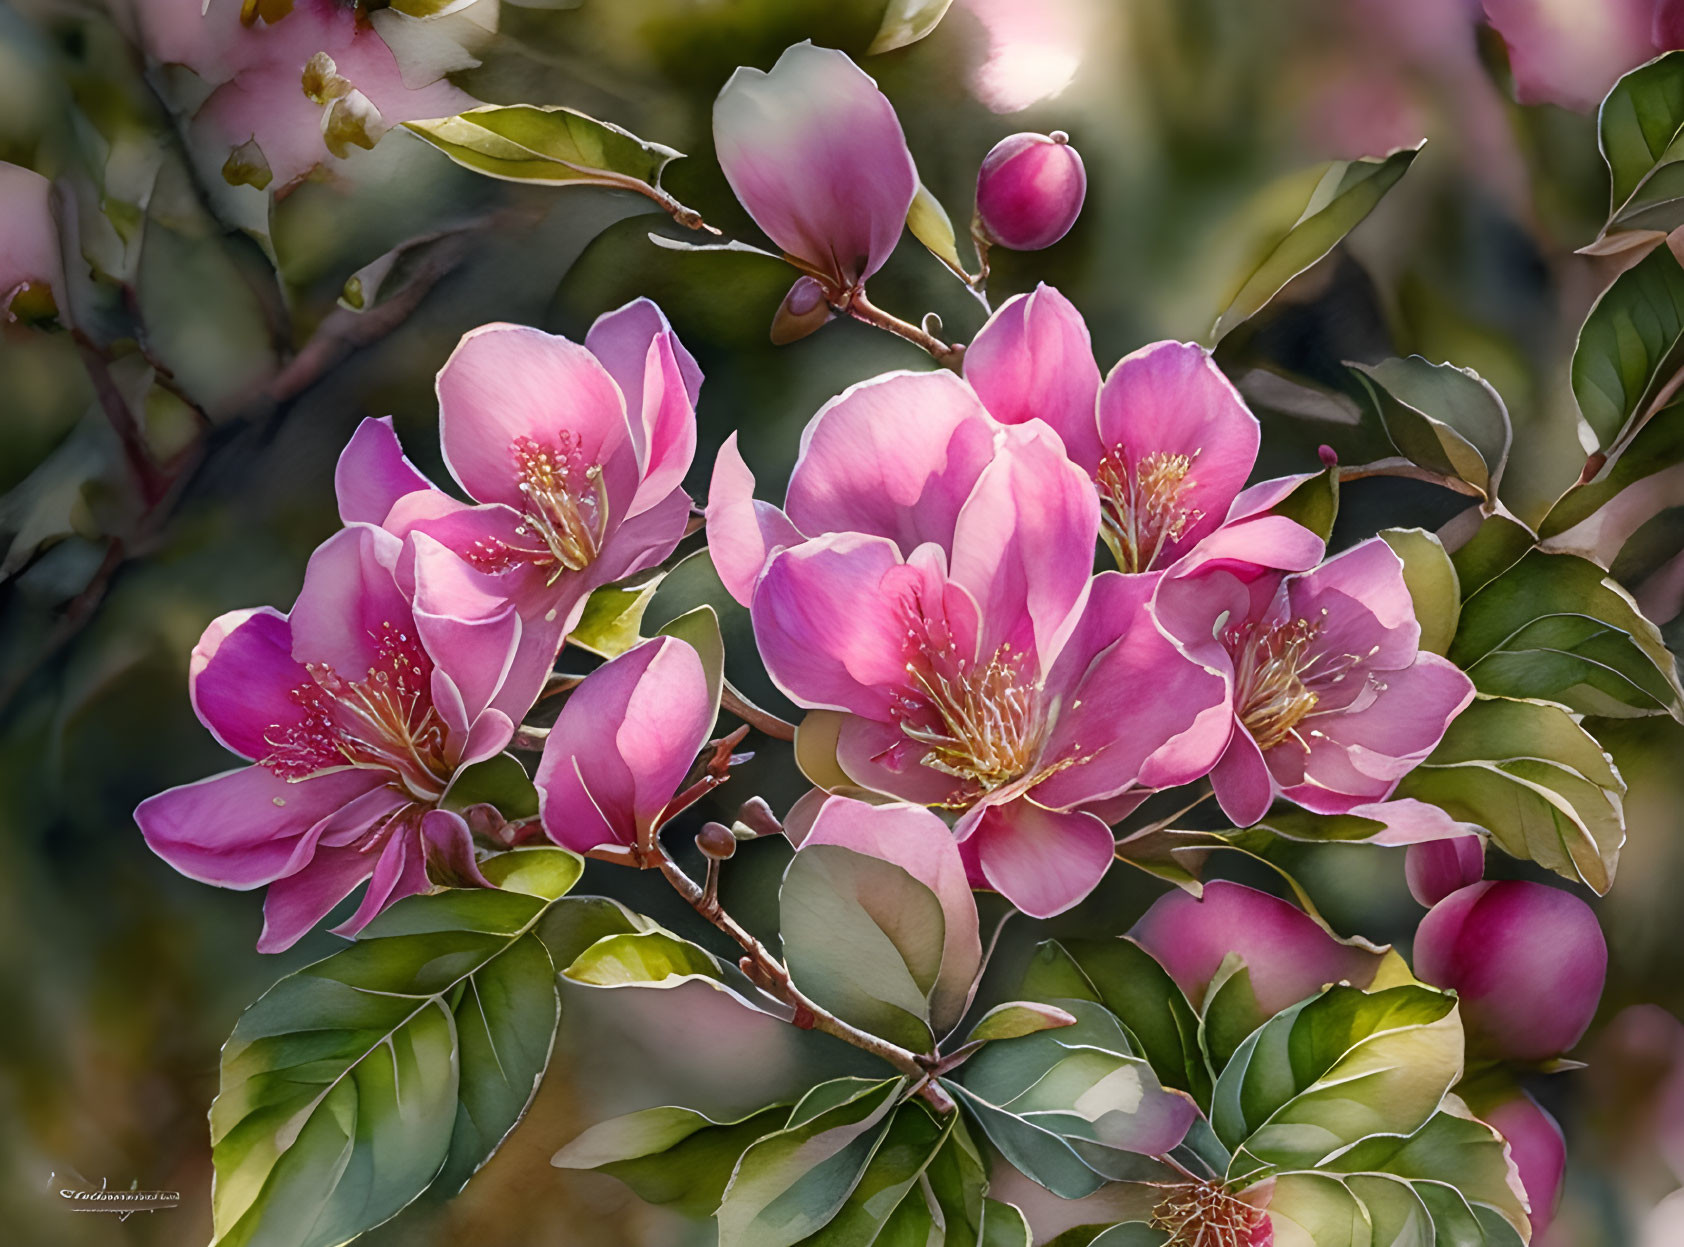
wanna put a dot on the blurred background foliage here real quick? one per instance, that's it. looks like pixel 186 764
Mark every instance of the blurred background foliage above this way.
pixel 123 977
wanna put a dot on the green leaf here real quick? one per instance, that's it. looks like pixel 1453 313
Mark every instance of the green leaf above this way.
pixel 1433 586
pixel 1641 134
pixel 1004 1225
pixel 693 582
pixel 1556 627
pixel 1333 1070
pixel 500 782
pixel 1542 785
pixel 1631 346
pixel 1016 1019
pixel 1444 418
pixel 792 1182
pixel 548 873
pixel 889 1200
pixel 550 145
pixel 930 225
pixel 1495 546
pixel 907 21
pixel 654 958
pixel 1645 478
pixel 355 1083
pixel 613 619
pixel 1344 194
pixel 576 922
pixel 671 1155
pixel 1314 503
pixel 863 939
pixel 957 1179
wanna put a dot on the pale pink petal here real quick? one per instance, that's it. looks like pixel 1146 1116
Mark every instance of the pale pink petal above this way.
pixel 242 676
pixel 1034 360
pixel 641 542
pixel 1242 781
pixel 1266 495
pixel 29 247
pixel 468 628
pixel 1360 601
pixel 1042 861
pixel 816 154
pixel 1289 955
pixel 743 532
pixel 880 756
pixel 1568 52
pixel 1437 868
pixel 373 473
pixel 1249 547
pixel 896 456
pixel 660 381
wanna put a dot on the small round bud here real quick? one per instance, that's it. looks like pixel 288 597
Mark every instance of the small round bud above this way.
pixel 1328 456
pixel 1029 191
pixel 755 818
pixel 716 841
pixel 805 309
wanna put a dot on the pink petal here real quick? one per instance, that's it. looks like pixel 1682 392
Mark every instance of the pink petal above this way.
pixel 829 634
pixel 1034 360
pixel 1265 495
pixel 919 843
pixel 241 678
pixel 507 385
pixel 817 156
pixel 1289 955
pixel 469 630
pixel 448 850
pixel 743 532
pixel 641 542
pixel 349 601
pixel 238 829
pixel 1244 787
pixel 660 381
pixel 295 904
pixel 1042 861
pixel 1568 53
pixel 1411 822
pixel 29 246
pixel 1527 961
pixel 373 473
pixel 1539 1151
pixel 1249 547
pixel 400 871
pixel 1437 868
pixel 1361 602
pixel 1170 399
pixel 896 456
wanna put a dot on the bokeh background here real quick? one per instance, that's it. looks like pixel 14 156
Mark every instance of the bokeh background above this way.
pixel 122 978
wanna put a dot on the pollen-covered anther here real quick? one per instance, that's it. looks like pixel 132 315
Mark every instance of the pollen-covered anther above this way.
pixel 564 511
pixel 1204 1214
pixel 1141 508
pixel 1280 676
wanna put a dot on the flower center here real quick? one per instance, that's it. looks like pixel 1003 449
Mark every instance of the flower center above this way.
pixel 1203 1214
pixel 564 511
pixel 383 722
pixel 1141 509
pixel 1280 676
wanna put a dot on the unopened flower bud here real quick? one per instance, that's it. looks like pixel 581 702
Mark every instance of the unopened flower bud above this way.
pixel 716 841
pixel 1029 191
pixel 756 817
pixel 804 309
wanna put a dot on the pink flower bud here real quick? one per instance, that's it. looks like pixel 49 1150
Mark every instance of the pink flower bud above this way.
pixel 1029 190
pixel 1436 868
pixel 1527 960
pixel 1539 1152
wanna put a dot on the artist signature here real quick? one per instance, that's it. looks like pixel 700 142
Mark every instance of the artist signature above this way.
pixel 78 1196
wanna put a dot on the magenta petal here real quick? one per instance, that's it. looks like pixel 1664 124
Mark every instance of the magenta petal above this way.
pixel 241 677
pixel 298 902
pixel 1042 861
pixel 919 843
pixel 1244 787
pixel 1362 602
pixel 1170 399
pixel 1527 961
pixel 621 340
pixel 743 532
pixel 879 756
pixel 448 849
pixel 350 601
pixel 816 154
pixel 1539 1151
pixel 830 635
pixel 1248 547
pixel 644 540
pixel 373 473
pixel 469 630
pixel 1289 955
pixel 238 829
pixel 400 871
pixel 506 385
pixel 1436 868
pixel 660 381
pixel 1034 360
pixel 896 456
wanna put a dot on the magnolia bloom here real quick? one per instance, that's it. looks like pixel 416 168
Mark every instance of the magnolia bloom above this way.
pixel 259 122
pixel 1437 868
pixel 1029 190
pixel 1334 701
pixel 1526 960
pixel 929 579
pixel 1289 955
pixel 1539 1152
pixel 355 711
pixel 1570 53
pixel 623 744
pixel 30 273
pixel 575 454
pixel 816 154
pixel 1166 439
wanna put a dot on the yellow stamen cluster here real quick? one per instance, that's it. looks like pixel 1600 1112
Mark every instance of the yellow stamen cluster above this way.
pixel 1203 1214
pixel 564 511
pixel 1141 509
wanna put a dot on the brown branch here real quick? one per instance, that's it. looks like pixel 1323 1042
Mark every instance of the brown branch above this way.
pixel 150 479
pixel 862 309
pixel 761 720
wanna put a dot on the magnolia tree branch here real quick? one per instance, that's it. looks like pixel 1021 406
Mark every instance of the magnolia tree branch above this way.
pixel 945 354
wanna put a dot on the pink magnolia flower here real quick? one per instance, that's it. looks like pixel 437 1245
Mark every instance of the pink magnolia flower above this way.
pixel 575 455
pixel 257 75
pixel 1289 955
pixel 1570 53
pixel 1334 701
pixel 1166 439
pixel 929 578
pixel 1538 1149
pixel 1527 961
pixel 1029 190
pixel 1436 868
pixel 29 251
pixel 355 712
pixel 623 743
pixel 816 154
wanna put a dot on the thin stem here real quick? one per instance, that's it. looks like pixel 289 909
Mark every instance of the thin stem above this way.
pixel 862 309
pixel 1412 471
pixel 762 720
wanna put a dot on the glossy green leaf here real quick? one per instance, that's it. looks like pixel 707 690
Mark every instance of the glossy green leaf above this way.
pixel 643 959
pixel 790 1184
pixel 1333 1070
pixel 1494 547
pixel 1444 418
pixel 613 618
pixel 1343 196
pixel 1645 478
pixel 1314 503
pixel 355 1083
pixel 1641 134
pixel 550 145
pixel 546 872
pixel 1016 1019
pixel 1631 346
pixel 671 1155
pixel 1542 785
pixel 930 225
pixel 500 782
pixel 957 1179
pixel 1432 582
pixel 1556 627
pixel 1004 1225
pixel 864 939
pixel 889 1201
pixel 907 21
